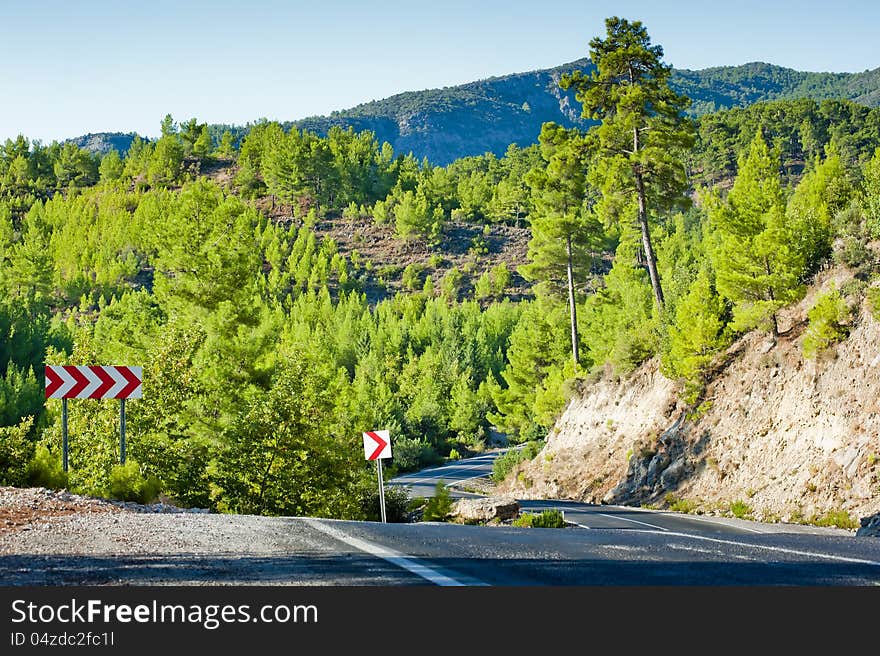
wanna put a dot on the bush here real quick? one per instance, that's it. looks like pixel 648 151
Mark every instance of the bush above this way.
pixel 546 519
pixel 504 464
pixel 127 483
pixel 411 454
pixel 439 506
pixel 397 504
pixel 836 518
pixel 412 276
pixel 740 510
pixel 874 302
pixel 15 452
pixel 827 318
pixel 46 470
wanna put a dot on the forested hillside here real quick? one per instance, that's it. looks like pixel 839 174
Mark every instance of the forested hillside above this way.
pixel 236 275
pixel 488 115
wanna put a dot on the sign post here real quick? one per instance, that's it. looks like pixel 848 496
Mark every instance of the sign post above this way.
pixel 93 382
pixel 377 445
pixel 64 434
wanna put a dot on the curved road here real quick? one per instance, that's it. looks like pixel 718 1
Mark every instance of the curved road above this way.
pixel 458 474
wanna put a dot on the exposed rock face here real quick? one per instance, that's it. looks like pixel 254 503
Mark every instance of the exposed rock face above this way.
pixel 790 438
pixel 485 509
pixel 870 527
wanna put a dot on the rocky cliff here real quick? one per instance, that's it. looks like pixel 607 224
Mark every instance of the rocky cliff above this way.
pixel 776 437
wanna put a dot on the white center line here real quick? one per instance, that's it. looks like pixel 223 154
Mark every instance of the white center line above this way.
pixel 794 552
pixel 634 521
pixel 394 557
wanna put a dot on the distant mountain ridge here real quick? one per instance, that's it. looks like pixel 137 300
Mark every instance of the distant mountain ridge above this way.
pixel 488 115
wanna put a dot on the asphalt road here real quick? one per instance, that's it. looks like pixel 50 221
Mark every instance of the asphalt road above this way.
pixel 603 546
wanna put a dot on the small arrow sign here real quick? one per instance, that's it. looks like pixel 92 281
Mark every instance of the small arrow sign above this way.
pixel 377 445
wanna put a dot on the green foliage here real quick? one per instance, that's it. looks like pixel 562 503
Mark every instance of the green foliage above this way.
pixel 545 519
pixel 642 132
pixel 620 324
pixel 740 509
pixel 439 506
pixel 398 503
pixel 505 463
pixel 696 335
pixel 870 196
pixel 411 454
pixel 758 267
pixel 46 470
pixel 680 505
pixel 16 452
pixel 827 323
pixel 836 518
pixel 873 295
pixel 128 483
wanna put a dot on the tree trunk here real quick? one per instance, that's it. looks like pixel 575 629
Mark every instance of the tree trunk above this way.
pixel 571 304
pixel 646 233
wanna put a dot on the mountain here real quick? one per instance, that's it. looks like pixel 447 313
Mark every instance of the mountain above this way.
pixel 488 115
pixel 103 142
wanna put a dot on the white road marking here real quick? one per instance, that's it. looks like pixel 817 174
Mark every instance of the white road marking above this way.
pixel 394 557
pixel 794 552
pixel 634 521
pixel 714 521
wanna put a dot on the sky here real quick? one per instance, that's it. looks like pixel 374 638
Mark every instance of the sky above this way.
pixel 70 67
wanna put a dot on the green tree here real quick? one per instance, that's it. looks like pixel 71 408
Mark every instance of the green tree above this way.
pixel 757 265
pixel 641 132
pixel 870 196
pixel 226 149
pixel 111 167
pixel 564 231
pixel 696 335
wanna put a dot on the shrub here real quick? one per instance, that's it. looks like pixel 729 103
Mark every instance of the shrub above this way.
pixel 15 452
pixel 439 506
pixel 740 510
pixel 45 470
pixel 838 518
pixel 397 503
pixel 412 276
pixel 874 302
pixel 827 318
pixel 413 453
pixel 680 505
pixel 505 463
pixel 127 483
pixel 546 519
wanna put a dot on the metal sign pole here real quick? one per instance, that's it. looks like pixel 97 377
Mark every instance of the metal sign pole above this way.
pixel 122 431
pixel 64 434
pixel 381 488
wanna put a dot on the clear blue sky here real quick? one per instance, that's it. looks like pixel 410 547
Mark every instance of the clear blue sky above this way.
pixel 68 67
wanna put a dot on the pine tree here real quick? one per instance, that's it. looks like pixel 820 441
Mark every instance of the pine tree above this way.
pixel 641 132
pixel 564 231
pixel 757 263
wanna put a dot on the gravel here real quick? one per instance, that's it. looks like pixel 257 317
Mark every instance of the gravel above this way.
pixel 59 538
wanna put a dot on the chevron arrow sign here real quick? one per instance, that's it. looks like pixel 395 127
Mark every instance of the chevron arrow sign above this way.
pixel 93 382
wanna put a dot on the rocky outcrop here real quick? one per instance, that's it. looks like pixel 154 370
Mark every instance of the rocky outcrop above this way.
pixel 485 509
pixel 870 527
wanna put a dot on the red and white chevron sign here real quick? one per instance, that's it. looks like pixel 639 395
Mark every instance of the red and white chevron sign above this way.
pixel 93 382
pixel 377 444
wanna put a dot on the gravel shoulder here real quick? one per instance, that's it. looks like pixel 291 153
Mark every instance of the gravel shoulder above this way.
pixel 57 538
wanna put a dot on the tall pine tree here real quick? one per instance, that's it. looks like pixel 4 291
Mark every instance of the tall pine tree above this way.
pixel 641 132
